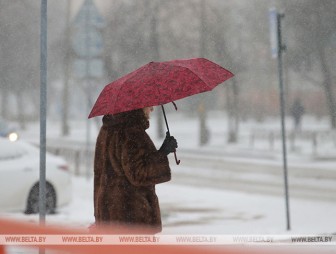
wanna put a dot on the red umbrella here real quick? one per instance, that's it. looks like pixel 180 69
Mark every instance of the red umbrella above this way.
pixel 158 83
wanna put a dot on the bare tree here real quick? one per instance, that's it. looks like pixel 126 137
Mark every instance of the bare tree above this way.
pixel 311 45
pixel 226 58
pixel 19 61
pixel 19 52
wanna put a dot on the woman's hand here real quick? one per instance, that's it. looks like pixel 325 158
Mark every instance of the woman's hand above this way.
pixel 169 145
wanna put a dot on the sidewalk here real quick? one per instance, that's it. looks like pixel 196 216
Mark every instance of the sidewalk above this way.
pixel 201 210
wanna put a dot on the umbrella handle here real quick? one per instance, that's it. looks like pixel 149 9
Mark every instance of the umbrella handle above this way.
pixel 176 160
pixel 165 118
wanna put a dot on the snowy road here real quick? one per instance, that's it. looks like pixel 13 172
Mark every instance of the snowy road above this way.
pixel 215 171
pixel 243 172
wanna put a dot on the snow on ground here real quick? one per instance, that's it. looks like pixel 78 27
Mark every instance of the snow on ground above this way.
pixel 197 210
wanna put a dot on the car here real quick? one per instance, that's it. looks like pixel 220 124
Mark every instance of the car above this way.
pixel 19 178
pixel 8 131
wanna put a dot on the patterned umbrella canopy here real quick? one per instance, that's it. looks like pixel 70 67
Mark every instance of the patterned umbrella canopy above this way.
pixel 157 83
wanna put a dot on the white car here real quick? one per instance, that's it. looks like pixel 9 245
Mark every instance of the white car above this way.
pixel 8 131
pixel 19 178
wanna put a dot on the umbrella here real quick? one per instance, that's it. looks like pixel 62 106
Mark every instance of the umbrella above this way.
pixel 158 83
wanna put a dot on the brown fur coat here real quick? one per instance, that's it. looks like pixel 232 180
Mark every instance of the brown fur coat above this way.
pixel 126 168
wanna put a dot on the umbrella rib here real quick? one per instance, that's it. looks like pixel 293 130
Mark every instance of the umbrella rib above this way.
pixel 200 78
pixel 130 75
pixel 157 86
pixel 193 73
pixel 116 99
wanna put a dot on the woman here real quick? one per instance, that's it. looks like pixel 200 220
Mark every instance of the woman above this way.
pixel 127 167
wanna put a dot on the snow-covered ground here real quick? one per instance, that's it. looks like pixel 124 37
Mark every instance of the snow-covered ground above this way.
pixel 199 210
pixel 202 209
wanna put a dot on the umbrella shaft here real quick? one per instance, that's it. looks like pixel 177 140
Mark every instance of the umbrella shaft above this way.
pixel 164 114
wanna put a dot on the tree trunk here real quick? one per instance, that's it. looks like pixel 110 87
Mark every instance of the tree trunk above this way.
pixel 65 99
pixel 233 113
pixel 4 103
pixel 330 98
pixel 20 107
pixel 204 133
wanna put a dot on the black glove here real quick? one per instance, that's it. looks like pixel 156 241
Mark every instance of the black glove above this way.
pixel 169 145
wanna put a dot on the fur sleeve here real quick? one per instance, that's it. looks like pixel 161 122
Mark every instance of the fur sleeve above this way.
pixel 142 163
